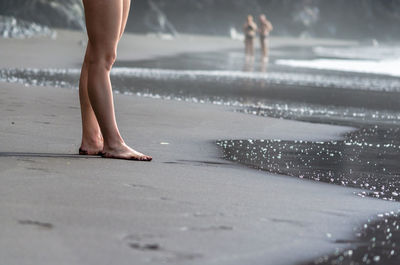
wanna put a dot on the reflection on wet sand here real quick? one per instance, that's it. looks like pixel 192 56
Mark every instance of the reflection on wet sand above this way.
pixel 250 65
pixel 264 65
pixel 376 242
pixel 366 159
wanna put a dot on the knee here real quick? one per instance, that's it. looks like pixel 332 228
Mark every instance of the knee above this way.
pixel 103 58
pixel 109 59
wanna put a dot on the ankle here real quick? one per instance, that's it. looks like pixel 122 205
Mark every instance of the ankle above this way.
pixel 114 143
pixel 92 140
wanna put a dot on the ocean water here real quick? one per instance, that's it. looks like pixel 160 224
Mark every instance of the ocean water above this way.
pixel 352 86
pixel 383 67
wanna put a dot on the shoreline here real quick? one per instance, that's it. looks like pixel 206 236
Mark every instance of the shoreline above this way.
pixel 184 163
pixel 188 206
pixel 28 53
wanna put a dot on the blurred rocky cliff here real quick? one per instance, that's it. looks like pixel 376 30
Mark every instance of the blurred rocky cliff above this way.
pixel 54 13
pixel 373 19
pixel 356 19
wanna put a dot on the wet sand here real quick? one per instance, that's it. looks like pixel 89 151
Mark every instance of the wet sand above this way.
pixel 29 52
pixel 188 206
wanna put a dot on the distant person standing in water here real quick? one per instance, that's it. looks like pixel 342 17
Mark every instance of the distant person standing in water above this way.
pixel 265 28
pixel 105 23
pixel 250 32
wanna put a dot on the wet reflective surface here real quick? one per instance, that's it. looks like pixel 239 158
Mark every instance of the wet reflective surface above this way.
pixel 368 158
pixel 376 242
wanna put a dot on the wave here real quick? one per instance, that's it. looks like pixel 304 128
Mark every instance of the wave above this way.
pixel 370 83
pixel 299 80
pixel 385 67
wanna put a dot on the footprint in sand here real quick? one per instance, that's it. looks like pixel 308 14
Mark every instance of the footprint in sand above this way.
pixel 36 223
pixel 135 241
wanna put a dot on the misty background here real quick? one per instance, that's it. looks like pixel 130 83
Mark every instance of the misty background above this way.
pixel 355 19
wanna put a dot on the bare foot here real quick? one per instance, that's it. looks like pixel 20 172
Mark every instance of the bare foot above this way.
pixel 92 148
pixel 125 152
pixel 84 152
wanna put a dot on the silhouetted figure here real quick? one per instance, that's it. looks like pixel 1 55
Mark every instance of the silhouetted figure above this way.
pixel 250 32
pixel 265 28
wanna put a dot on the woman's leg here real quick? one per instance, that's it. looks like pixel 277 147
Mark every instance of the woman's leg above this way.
pixel 104 22
pixel 92 140
pixel 266 55
pixel 247 47
pixel 251 47
pixel 125 13
pixel 262 44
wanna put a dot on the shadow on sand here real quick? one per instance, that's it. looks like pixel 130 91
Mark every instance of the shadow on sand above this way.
pixel 45 155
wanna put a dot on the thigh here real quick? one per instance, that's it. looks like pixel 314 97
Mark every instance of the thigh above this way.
pixel 103 22
pixel 251 42
pixel 125 14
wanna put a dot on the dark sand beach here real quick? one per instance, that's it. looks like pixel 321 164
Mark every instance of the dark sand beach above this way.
pixel 194 204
